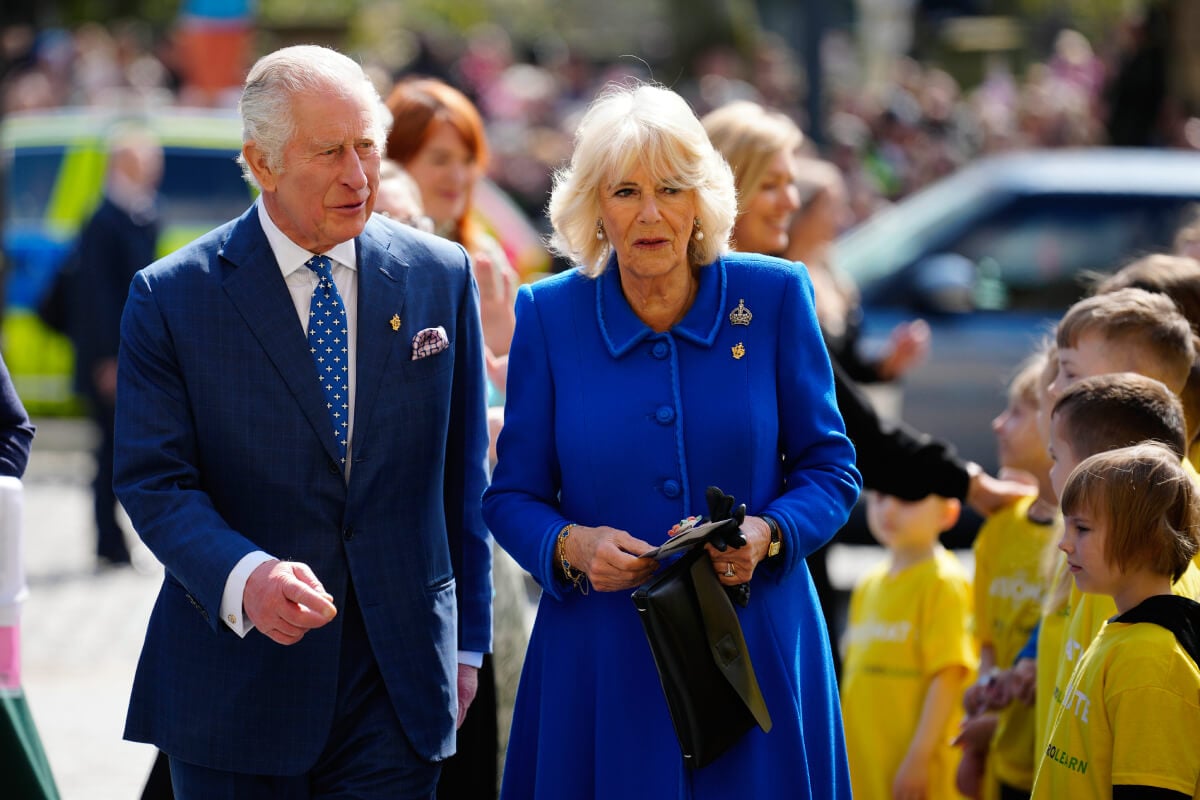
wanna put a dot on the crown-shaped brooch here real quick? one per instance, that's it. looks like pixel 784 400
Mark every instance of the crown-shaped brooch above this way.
pixel 740 315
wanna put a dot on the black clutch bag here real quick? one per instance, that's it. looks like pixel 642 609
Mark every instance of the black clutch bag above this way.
pixel 703 664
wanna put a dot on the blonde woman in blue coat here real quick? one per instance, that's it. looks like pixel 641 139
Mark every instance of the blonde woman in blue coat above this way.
pixel 660 365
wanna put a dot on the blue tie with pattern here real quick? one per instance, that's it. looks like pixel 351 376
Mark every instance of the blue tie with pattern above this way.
pixel 328 340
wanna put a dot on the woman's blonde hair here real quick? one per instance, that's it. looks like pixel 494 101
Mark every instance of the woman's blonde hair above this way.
pixel 750 136
pixel 648 125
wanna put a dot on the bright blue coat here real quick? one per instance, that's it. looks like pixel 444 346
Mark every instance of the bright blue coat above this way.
pixel 610 423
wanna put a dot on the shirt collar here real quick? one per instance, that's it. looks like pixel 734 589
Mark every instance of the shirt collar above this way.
pixel 622 329
pixel 291 256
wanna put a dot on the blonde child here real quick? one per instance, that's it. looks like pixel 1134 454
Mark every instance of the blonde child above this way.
pixel 1127 330
pixel 1008 587
pixel 1130 716
pixel 907 654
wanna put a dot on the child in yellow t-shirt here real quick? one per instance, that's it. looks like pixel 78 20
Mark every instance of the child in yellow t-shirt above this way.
pixel 907 654
pixel 1008 588
pixel 1129 717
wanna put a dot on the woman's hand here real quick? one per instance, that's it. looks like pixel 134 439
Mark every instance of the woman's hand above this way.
pixel 609 557
pixel 742 560
pixel 909 347
pixel 987 495
pixel 498 284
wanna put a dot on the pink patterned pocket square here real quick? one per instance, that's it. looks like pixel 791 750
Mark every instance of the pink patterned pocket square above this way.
pixel 428 342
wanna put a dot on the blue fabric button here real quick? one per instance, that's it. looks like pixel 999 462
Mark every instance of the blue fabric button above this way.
pixel 665 415
pixel 671 489
pixel 660 350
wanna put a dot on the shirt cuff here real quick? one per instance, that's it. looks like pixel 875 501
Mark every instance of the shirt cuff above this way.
pixel 232 613
pixel 471 659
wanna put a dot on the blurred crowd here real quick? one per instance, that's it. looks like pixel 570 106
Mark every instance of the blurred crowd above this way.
pixel 889 140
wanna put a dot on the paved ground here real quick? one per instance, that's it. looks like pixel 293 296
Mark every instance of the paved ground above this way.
pixel 81 630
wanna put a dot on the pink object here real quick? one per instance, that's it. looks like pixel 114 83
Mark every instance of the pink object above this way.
pixel 10 657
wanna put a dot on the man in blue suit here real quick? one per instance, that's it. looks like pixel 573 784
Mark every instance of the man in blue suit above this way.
pixel 328 574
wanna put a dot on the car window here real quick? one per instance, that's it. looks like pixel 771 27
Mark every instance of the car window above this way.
pixel 1033 253
pixel 30 181
pixel 916 228
pixel 202 186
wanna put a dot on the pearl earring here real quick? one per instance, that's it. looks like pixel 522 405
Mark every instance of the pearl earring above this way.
pixel 599 230
pixel 699 233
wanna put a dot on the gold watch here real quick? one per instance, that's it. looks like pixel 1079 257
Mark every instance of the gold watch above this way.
pixel 776 545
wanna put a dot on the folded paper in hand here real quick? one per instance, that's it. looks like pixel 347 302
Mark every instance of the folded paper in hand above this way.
pixel 682 541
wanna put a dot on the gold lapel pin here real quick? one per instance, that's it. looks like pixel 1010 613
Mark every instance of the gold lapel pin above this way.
pixel 740 315
pixel 395 320
pixel 739 350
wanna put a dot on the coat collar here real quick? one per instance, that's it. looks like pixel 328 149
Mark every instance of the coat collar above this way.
pixel 622 330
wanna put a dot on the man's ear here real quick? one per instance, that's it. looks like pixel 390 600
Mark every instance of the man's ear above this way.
pixel 259 165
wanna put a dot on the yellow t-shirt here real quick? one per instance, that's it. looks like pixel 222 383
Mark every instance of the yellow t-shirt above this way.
pixel 1051 636
pixel 1132 717
pixel 903 629
pixel 1088 614
pixel 1008 591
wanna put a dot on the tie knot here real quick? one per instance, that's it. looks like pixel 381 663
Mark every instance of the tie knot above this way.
pixel 322 266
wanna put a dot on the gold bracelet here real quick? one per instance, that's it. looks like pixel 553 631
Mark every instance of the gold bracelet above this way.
pixel 575 577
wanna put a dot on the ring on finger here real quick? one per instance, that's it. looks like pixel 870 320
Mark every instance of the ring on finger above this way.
pixel 729 571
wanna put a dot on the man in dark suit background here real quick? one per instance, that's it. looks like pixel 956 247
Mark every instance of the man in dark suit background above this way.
pixel 326 594
pixel 119 239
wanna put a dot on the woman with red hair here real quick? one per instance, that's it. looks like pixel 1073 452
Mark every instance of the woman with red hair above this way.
pixel 438 136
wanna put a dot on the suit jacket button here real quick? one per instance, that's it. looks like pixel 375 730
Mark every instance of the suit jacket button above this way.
pixel 671 489
pixel 348 533
pixel 333 467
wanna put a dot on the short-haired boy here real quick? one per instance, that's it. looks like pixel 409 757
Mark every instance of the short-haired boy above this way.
pixel 907 654
pixel 1129 719
pixel 1128 330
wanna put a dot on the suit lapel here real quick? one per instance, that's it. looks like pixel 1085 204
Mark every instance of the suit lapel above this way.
pixel 382 279
pixel 257 290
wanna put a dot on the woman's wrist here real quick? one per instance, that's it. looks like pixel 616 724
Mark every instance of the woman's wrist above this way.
pixel 774 539
pixel 570 574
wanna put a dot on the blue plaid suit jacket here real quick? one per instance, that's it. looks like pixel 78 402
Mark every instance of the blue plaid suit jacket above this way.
pixel 224 447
